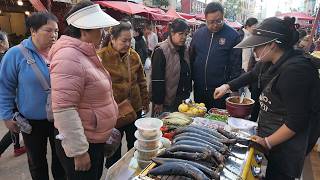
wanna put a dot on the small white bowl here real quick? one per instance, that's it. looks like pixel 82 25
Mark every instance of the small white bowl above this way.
pixel 148 127
pixel 148 144
pixel 145 154
pixel 141 163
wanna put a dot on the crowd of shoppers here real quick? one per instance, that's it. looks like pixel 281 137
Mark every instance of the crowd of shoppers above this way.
pixel 84 75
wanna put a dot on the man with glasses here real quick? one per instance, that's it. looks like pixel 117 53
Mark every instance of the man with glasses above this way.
pixel 214 61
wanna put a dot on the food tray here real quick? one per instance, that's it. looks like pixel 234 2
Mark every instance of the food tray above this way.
pixel 240 167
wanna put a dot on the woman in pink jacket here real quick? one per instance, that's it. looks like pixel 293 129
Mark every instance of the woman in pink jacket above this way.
pixel 82 99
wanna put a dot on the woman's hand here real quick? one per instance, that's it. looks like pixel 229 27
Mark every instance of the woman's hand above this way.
pixel 12 125
pixel 158 109
pixel 145 109
pixel 260 141
pixel 221 91
pixel 82 162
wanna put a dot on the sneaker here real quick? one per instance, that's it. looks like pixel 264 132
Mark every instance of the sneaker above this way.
pixel 19 151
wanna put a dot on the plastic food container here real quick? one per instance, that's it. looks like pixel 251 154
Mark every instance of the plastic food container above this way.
pixel 141 163
pixel 144 154
pixel 148 144
pixel 242 124
pixel 148 127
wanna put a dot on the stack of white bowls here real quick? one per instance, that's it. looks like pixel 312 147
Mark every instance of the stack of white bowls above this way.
pixel 148 140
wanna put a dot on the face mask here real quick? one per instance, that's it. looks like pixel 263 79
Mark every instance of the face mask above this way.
pixel 260 58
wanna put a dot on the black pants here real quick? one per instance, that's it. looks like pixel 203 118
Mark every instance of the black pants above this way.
pixel 96 157
pixel 36 144
pixel 129 129
pixel 206 97
pixel 8 139
pixel 274 174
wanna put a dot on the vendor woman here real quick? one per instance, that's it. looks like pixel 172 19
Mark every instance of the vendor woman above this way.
pixel 288 81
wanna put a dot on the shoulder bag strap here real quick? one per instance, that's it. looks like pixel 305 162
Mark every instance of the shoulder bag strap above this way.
pixel 44 83
pixel 129 74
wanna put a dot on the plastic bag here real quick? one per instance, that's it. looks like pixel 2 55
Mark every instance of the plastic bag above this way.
pixel 113 143
pixel 147 64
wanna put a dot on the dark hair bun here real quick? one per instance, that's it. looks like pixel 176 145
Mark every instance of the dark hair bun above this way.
pixel 178 25
pixel 290 22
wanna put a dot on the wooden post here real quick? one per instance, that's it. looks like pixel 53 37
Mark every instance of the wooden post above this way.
pixel 313 31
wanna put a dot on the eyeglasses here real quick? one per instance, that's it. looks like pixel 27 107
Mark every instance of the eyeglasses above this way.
pixel 55 31
pixel 218 22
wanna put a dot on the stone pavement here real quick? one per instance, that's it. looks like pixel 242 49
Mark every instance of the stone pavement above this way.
pixel 16 168
pixel 13 168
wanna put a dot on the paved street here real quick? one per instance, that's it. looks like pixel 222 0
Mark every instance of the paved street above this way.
pixel 13 168
pixel 16 168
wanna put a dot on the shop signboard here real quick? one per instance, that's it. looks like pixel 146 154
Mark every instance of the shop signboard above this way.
pixel 192 6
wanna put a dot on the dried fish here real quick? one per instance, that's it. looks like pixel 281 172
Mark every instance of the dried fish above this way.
pixel 179 169
pixel 223 149
pixel 203 138
pixel 213 132
pixel 217 155
pixel 210 172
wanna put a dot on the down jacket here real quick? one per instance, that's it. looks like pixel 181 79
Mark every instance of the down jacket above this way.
pixel 79 81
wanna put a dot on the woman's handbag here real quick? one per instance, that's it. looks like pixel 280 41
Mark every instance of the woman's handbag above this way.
pixel 127 114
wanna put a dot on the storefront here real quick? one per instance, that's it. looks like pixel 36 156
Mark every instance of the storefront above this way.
pixel 12 18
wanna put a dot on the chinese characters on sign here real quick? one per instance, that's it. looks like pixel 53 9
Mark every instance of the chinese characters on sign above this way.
pixel 192 6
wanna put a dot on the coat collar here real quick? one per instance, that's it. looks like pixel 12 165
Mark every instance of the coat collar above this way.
pixel 171 46
pixel 27 43
pixel 112 52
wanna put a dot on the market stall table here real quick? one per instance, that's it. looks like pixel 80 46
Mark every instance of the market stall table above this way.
pixel 245 165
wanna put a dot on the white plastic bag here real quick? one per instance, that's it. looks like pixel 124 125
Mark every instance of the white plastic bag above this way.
pixel 113 143
pixel 147 64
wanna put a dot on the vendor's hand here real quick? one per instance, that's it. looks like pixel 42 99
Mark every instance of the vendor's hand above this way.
pixel 12 125
pixel 259 144
pixel 82 162
pixel 221 91
pixel 158 108
pixel 260 141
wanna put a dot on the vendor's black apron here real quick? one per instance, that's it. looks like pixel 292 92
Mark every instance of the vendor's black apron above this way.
pixel 288 157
